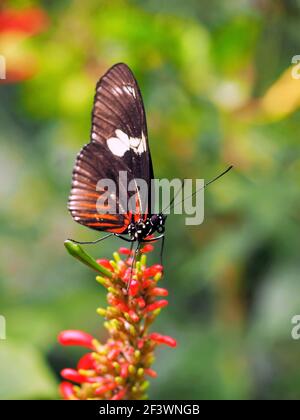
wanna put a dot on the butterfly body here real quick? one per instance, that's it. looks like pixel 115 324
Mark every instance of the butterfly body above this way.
pixel 141 230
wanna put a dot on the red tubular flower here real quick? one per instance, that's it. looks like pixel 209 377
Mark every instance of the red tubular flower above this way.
pixel 105 388
pixel 163 339
pixel 125 251
pixel 118 303
pixel 134 317
pixel 72 375
pixel 117 369
pixel 113 354
pixel 124 370
pixel 153 270
pixel 105 263
pixel 134 288
pixel 147 284
pixel 147 248
pixel 159 291
pixel 140 301
pixel 76 338
pixel 151 372
pixel 156 305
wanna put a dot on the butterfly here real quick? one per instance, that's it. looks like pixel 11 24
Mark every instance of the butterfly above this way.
pixel 118 143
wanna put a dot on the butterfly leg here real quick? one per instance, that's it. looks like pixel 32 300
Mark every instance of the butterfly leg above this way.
pixel 92 242
pixel 124 238
pixel 162 250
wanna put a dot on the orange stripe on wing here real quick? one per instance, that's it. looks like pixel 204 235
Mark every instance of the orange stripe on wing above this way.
pixel 107 227
pixel 82 205
pixel 97 216
pixel 82 194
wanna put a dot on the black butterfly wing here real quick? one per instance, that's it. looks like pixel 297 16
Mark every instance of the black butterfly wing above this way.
pixel 119 122
pixel 119 142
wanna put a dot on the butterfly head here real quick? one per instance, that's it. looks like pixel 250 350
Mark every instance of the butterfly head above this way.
pixel 158 222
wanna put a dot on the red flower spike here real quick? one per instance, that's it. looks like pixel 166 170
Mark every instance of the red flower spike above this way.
pixel 156 305
pixel 118 369
pixel 76 338
pixel 67 392
pixel 163 339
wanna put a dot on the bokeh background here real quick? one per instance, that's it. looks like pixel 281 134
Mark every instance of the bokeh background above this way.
pixel 218 88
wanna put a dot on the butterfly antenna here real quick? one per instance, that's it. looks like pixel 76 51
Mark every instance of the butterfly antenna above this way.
pixel 92 242
pixel 204 186
pixel 174 198
pixel 162 251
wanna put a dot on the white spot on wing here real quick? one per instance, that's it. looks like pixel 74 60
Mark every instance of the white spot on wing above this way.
pixel 138 145
pixel 129 90
pixel 120 144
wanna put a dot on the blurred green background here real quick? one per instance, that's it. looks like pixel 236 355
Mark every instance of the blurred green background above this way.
pixel 218 89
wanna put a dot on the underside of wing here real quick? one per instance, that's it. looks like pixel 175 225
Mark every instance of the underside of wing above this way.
pixel 85 202
pixel 118 144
